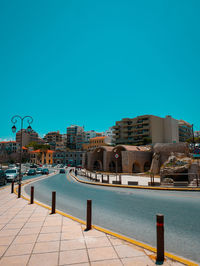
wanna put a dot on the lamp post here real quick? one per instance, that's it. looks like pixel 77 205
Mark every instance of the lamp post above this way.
pixel 14 120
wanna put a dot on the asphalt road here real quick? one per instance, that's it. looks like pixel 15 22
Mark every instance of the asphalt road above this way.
pixel 131 212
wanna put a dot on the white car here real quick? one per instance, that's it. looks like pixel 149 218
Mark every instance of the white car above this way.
pixel 12 174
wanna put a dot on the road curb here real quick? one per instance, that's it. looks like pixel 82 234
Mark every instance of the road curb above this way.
pixel 137 187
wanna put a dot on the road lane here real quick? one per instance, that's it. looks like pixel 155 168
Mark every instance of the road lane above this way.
pixel 131 212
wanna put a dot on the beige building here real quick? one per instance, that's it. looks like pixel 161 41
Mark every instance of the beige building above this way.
pixel 41 156
pixel 28 137
pixel 97 142
pixel 146 129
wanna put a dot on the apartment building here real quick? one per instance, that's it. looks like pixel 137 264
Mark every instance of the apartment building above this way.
pixel 75 137
pixel 185 130
pixel 28 137
pixel 9 146
pixel 146 129
pixel 53 137
pixel 56 140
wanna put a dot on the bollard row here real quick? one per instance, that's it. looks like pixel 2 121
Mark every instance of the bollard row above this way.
pixel 159 220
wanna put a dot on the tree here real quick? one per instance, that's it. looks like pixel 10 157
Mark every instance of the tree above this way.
pixel 37 146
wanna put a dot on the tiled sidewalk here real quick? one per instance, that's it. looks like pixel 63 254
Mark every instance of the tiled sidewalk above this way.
pixel 29 235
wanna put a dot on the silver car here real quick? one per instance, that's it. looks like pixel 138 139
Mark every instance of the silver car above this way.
pixel 11 174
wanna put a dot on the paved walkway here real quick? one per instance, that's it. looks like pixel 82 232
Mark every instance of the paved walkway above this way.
pixel 29 235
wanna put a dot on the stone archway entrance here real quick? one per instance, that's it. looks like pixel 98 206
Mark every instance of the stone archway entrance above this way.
pixel 136 168
pixel 112 167
pixel 97 166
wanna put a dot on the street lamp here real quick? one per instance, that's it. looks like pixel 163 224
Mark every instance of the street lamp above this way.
pixel 14 120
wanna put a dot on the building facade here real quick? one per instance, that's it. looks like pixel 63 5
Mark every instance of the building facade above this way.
pixel 9 146
pixel 75 137
pixel 97 142
pixel 185 131
pixel 146 129
pixel 129 159
pixel 28 137
pixel 55 140
pixel 41 157
pixel 72 158
pixel 110 133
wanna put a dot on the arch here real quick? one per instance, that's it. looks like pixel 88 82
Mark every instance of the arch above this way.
pixel 97 166
pixel 147 166
pixel 136 168
pixel 112 167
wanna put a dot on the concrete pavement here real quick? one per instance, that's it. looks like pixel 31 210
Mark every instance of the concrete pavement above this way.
pixel 29 235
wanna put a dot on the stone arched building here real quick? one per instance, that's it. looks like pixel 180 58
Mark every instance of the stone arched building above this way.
pixel 121 159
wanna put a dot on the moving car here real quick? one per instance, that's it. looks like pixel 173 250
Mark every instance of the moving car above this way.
pixel 3 180
pixel 31 172
pixel 45 171
pixel 11 174
pixel 62 171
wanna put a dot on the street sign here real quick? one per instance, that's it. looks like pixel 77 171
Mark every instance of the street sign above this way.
pixel 116 156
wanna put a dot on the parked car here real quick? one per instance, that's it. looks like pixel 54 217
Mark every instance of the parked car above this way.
pixel 45 171
pixel 33 166
pixel 39 170
pixel 11 174
pixel 62 171
pixel 3 180
pixel 11 166
pixel 31 172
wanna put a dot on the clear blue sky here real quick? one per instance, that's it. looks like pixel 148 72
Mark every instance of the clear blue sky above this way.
pixel 94 62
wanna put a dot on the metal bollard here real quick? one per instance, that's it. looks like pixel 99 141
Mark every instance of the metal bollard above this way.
pixel 108 179
pixel 160 238
pixel 89 215
pixel 120 179
pixel 12 187
pixel 102 178
pixel 53 206
pixel 32 195
pixel 19 190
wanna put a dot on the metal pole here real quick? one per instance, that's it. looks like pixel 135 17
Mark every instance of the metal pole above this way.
pixel 160 237
pixel 89 215
pixel 53 206
pixel 32 195
pixel 116 169
pixel 19 190
pixel 12 187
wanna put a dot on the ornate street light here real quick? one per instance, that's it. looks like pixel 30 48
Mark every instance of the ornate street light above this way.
pixel 14 120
